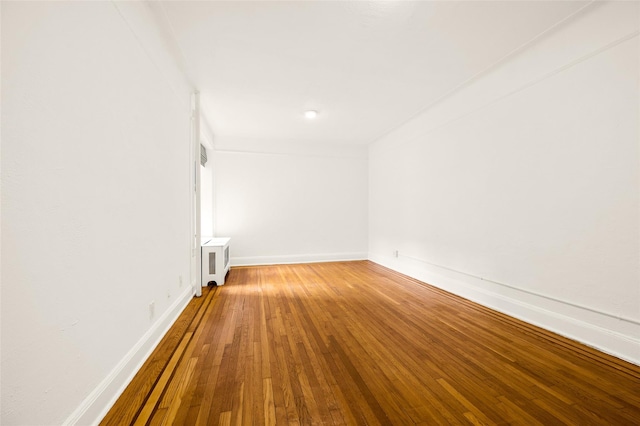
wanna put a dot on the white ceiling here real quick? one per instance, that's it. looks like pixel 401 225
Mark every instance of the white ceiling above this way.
pixel 366 66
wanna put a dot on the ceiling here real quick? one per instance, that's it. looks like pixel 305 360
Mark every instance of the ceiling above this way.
pixel 366 66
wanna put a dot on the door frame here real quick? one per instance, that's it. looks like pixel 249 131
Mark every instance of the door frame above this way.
pixel 194 160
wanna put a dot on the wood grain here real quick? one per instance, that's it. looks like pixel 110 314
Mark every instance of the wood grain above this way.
pixel 355 343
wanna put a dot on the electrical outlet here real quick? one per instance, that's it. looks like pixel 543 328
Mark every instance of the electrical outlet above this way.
pixel 395 253
pixel 152 309
pixel 180 281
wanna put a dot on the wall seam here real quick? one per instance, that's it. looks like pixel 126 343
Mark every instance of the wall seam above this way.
pixel 363 156
pixel 147 54
pixel 491 68
pixel 529 84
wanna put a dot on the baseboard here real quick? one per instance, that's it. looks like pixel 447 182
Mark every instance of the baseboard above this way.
pixel 296 258
pixel 95 406
pixel 599 331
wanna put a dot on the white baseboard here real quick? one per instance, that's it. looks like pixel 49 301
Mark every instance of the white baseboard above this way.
pixel 96 405
pixel 602 332
pixel 296 258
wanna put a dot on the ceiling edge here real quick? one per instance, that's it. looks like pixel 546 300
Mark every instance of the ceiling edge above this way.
pixel 488 69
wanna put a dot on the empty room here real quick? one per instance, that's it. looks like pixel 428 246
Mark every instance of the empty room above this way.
pixel 320 212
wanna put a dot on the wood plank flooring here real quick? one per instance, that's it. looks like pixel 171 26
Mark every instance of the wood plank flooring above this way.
pixel 354 343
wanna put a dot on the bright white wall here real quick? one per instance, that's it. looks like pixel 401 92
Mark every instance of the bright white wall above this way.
pixel 528 178
pixel 206 199
pixel 95 200
pixel 206 192
pixel 283 206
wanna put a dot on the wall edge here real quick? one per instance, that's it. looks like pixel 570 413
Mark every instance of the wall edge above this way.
pixel 99 401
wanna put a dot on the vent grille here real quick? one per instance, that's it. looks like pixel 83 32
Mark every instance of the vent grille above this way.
pixel 203 155
pixel 212 263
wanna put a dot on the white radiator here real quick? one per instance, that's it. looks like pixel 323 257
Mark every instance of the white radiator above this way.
pixel 216 260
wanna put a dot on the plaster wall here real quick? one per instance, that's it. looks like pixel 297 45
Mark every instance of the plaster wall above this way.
pixel 289 206
pixel 95 204
pixel 521 189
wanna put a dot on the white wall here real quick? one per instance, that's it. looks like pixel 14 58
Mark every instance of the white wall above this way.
pixel 288 206
pixel 207 228
pixel 95 200
pixel 528 178
pixel 206 199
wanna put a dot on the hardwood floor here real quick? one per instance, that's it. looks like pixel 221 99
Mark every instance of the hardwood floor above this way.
pixel 355 343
